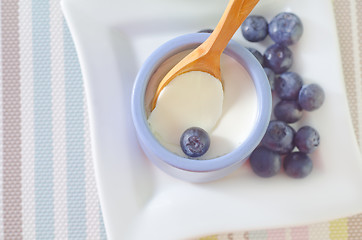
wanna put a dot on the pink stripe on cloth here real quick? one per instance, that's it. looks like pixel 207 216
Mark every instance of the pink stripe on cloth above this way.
pixel 12 214
pixel 300 233
pixel 355 227
pixel 276 234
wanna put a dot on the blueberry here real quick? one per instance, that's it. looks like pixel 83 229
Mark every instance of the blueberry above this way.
pixel 278 58
pixel 285 28
pixel 254 28
pixel 207 30
pixel 279 137
pixel 311 97
pixel 288 111
pixel 297 165
pixel 257 55
pixel 306 139
pixel 264 162
pixel 271 77
pixel 195 142
pixel 287 85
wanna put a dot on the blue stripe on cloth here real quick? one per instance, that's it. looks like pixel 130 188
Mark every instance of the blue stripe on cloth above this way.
pixel 43 169
pixel 75 141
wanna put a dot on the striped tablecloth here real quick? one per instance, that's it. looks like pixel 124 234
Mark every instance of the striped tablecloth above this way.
pixel 47 183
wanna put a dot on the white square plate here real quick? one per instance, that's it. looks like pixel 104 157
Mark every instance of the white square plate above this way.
pixel 114 37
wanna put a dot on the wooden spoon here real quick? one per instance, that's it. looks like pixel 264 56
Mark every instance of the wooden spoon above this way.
pixel 206 57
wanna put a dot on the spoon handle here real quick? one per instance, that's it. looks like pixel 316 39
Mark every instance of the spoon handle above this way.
pixel 233 16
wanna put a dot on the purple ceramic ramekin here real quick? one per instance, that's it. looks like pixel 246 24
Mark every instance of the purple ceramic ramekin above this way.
pixel 190 169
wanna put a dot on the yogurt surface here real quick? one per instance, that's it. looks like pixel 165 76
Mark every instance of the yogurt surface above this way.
pixel 227 112
pixel 191 99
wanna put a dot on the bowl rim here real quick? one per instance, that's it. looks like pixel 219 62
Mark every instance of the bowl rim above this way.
pixel 263 92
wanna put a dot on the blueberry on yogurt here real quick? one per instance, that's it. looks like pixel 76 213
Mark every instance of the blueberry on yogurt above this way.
pixel 195 142
pixel 254 28
pixel 285 28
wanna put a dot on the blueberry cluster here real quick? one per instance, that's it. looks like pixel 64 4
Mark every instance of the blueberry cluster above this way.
pixel 283 146
pixel 278 145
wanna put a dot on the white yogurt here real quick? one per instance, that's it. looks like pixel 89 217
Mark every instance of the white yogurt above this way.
pixel 228 116
pixel 191 99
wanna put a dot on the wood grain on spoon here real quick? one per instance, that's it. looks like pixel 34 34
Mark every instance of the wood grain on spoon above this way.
pixel 206 57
